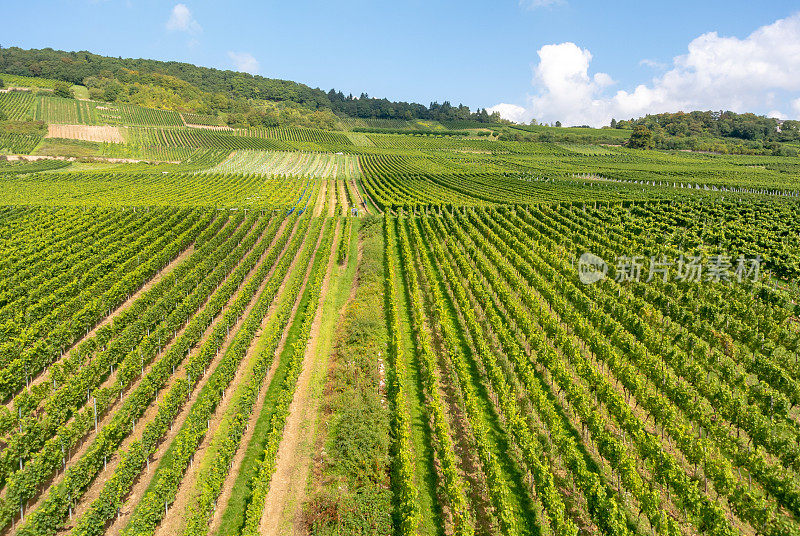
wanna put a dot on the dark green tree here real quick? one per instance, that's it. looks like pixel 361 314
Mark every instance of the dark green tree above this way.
pixel 641 138
pixel 558 123
pixel 63 89
pixel 613 123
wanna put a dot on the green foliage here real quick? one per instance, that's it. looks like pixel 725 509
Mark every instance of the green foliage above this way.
pixel 63 90
pixel 184 87
pixel 641 138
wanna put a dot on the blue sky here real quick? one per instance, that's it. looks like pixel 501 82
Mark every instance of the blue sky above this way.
pixel 534 58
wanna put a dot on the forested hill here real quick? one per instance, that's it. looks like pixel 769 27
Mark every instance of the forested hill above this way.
pixel 107 75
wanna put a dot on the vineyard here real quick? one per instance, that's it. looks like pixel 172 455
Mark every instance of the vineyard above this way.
pixel 16 105
pixel 65 111
pixel 283 163
pixel 396 328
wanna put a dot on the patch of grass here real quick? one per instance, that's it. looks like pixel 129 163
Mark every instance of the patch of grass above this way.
pixel 64 147
pixel 354 495
pixel 80 92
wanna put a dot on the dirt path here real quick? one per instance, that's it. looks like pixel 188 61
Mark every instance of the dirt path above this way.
pixel 319 205
pixel 295 451
pixel 343 197
pixel 114 314
pixel 332 198
pixel 362 205
pixel 238 460
pixel 35 157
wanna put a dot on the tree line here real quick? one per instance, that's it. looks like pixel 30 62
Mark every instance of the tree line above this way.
pixel 208 90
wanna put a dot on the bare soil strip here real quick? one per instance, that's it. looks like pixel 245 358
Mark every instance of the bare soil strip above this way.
pixel 320 203
pixel 85 133
pixel 343 196
pixel 293 462
pixel 115 313
pixel 332 197
pixel 362 205
pixel 174 521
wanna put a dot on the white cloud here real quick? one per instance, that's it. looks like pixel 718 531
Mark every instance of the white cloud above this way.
pixel 511 112
pixel 796 107
pixel 777 114
pixel 716 73
pixel 533 4
pixel 244 62
pixel 182 20
pixel 653 64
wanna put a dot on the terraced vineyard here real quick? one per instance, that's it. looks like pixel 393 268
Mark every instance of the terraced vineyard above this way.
pixel 231 332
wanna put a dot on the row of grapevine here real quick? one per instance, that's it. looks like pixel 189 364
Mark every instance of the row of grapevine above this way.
pixel 452 481
pixel 403 470
pixel 280 410
pixel 65 111
pixel 19 143
pixel 151 507
pixel 199 119
pixel 147 189
pixel 215 317
pixel 290 163
pixel 141 337
pixel 595 338
pixel 297 134
pixel 601 504
pixel 79 475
